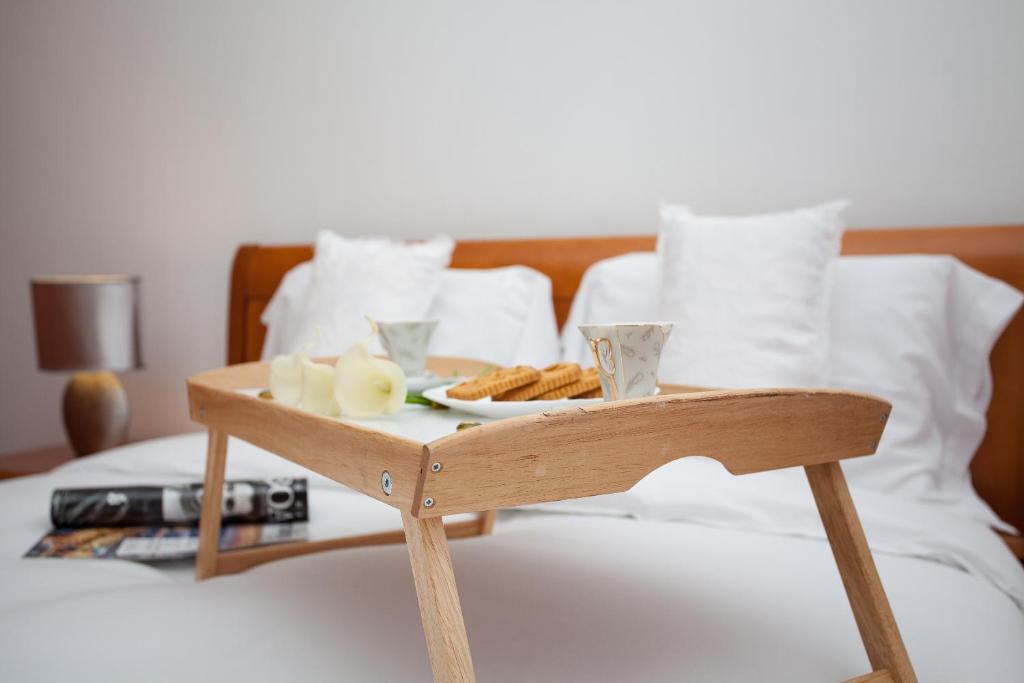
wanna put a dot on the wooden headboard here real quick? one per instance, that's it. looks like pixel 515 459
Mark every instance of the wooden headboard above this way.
pixel 998 468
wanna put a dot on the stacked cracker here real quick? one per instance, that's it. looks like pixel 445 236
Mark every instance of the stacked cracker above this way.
pixel 524 383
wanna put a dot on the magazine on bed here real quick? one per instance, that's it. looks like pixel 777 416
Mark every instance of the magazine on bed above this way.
pixel 157 542
pixel 161 522
pixel 273 501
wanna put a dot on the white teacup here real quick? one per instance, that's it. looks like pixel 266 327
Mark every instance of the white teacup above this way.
pixel 626 356
pixel 406 343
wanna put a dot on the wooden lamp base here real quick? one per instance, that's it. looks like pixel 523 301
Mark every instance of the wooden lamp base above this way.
pixel 95 412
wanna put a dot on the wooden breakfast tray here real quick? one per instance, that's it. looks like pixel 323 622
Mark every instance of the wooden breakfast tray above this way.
pixel 571 453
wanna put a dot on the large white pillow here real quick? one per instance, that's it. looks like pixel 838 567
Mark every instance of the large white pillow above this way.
pixel 282 315
pixel 501 315
pixel 747 296
pixel 356 277
pixel 617 289
pixel 917 330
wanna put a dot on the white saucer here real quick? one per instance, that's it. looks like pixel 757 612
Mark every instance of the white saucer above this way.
pixel 419 384
pixel 485 407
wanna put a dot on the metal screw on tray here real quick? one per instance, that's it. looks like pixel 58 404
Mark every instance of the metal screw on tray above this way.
pixel 428 503
pixel 436 467
pixel 385 482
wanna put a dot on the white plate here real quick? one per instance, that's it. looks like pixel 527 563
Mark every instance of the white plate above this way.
pixel 485 407
pixel 418 385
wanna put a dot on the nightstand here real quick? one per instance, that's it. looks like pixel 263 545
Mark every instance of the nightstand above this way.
pixel 34 461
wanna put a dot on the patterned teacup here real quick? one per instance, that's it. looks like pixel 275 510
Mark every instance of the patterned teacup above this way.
pixel 406 343
pixel 626 356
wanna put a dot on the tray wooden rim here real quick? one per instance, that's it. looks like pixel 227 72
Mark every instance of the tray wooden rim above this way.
pixel 553 455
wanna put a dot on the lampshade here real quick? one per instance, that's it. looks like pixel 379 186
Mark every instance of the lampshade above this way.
pixel 87 322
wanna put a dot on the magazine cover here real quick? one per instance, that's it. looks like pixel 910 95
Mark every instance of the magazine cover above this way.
pixel 274 501
pixel 157 543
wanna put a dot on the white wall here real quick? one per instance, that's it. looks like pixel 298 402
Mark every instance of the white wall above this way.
pixel 154 137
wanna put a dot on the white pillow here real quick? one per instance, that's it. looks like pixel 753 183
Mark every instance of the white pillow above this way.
pixel 917 330
pixel 617 289
pixel 747 296
pixel 282 315
pixel 501 315
pixel 356 277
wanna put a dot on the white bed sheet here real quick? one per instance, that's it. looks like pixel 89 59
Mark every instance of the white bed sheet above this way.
pixel 547 597
pixel 337 510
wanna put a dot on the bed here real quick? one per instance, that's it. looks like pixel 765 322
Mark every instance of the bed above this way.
pixel 544 596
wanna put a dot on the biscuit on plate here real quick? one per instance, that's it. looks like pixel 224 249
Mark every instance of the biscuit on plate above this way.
pixel 551 377
pixel 586 383
pixel 494 383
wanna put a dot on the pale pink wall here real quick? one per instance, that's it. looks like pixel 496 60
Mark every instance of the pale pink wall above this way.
pixel 153 137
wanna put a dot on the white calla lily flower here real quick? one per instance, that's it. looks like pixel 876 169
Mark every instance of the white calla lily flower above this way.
pixel 365 386
pixel 318 388
pixel 286 378
pixel 297 381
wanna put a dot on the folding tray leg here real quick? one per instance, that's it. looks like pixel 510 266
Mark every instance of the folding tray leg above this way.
pixel 209 516
pixel 486 520
pixel 438 597
pixel 870 606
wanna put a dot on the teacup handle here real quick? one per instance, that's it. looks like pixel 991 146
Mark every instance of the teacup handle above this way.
pixel 602 347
